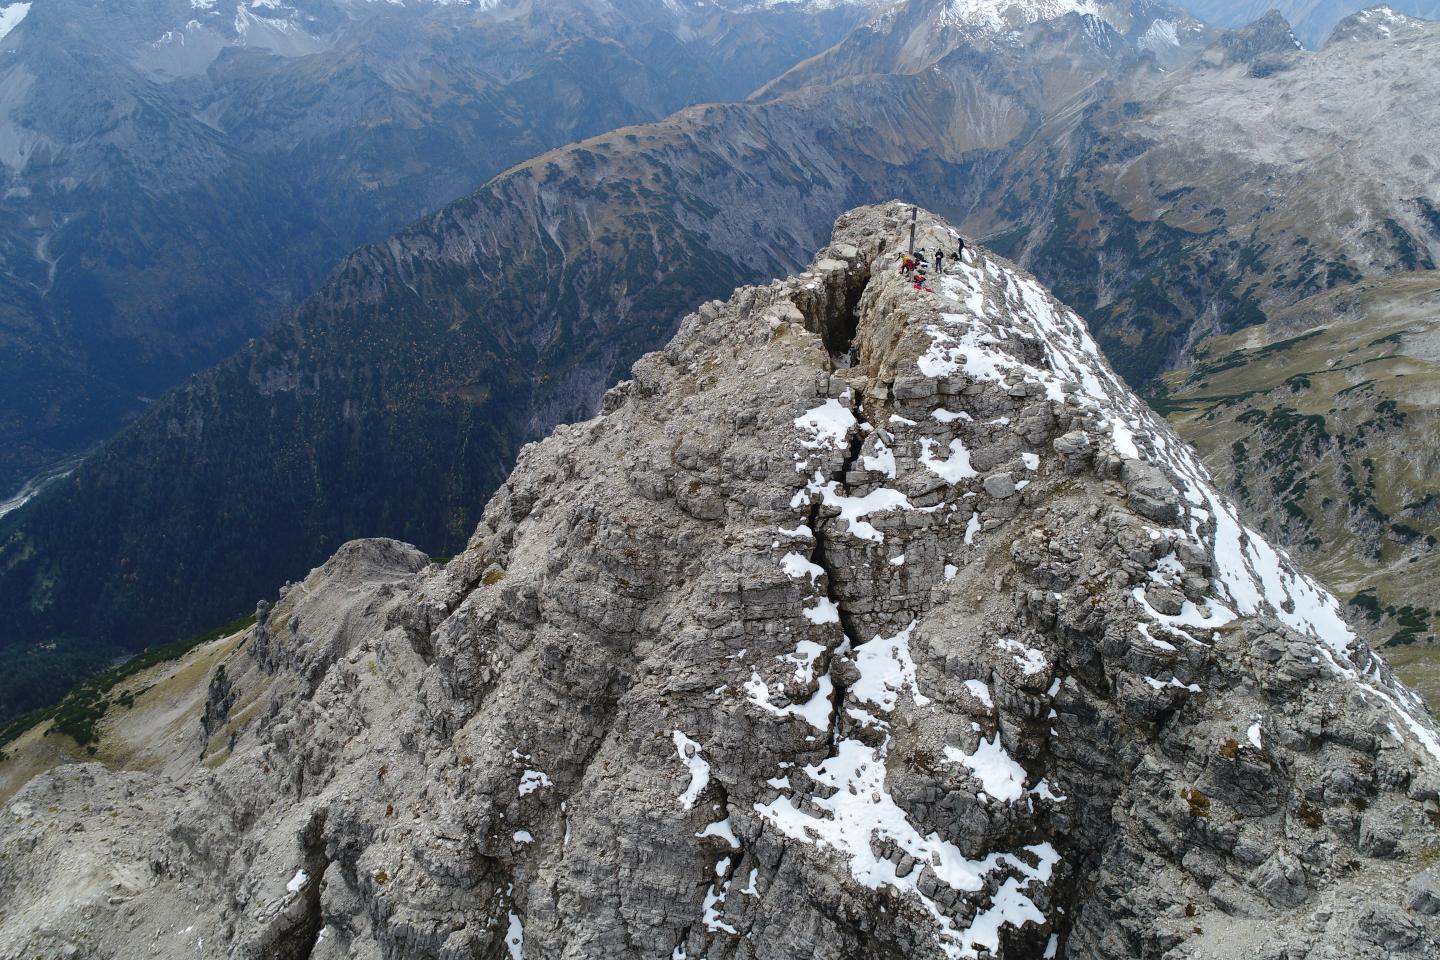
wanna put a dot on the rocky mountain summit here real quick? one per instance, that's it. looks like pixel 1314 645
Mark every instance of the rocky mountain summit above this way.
pixel 954 652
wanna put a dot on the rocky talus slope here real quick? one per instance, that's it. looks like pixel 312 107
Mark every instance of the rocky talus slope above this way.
pixel 955 653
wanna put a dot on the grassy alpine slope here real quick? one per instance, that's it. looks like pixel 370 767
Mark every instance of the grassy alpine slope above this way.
pixel 142 718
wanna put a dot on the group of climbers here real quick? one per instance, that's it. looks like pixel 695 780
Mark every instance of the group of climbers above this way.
pixel 914 268
pixel 914 265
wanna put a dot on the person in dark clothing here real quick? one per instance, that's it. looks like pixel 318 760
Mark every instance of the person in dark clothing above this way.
pixel 939 261
pixel 960 254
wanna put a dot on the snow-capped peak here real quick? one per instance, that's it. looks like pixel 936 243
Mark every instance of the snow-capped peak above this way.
pixel 1376 23
pixel 10 17
pixel 1002 15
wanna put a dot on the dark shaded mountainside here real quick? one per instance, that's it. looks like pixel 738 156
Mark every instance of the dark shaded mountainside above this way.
pixel 953 653
pixel 228 159
pixel 398 396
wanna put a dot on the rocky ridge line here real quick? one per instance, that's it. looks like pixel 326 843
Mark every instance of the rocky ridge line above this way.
pixel 956 653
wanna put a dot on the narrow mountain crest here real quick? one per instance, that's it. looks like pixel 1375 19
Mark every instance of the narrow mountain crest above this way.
pixel 1267 37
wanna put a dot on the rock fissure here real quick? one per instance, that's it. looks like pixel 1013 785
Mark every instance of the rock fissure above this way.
pixel 839 685
pixel 835 576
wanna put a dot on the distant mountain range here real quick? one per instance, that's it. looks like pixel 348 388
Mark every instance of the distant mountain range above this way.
pixel 1313 20
pixel 1253 178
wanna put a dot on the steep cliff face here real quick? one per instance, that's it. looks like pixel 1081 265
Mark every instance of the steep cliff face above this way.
pixel 952 651
pixel 1326 437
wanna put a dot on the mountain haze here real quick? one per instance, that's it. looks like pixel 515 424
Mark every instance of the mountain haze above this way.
pixel 1314 20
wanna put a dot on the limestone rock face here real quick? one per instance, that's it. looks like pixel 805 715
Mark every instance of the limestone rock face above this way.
pixel 951 653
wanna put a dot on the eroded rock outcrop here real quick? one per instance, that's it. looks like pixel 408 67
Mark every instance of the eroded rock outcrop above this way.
pixel 953 653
